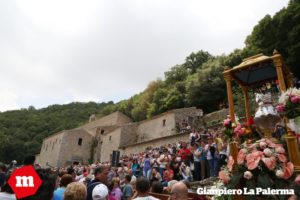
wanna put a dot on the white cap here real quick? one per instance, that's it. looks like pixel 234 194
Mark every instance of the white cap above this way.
pixel 100 192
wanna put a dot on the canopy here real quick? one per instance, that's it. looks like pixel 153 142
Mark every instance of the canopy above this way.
pixel 256 70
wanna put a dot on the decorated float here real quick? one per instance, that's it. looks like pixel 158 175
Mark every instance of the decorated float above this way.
pixel 258 160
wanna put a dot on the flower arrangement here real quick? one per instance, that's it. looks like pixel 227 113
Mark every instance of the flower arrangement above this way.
pixel 244 131
pixel 289 103
pixel 260 164
pixel 228 128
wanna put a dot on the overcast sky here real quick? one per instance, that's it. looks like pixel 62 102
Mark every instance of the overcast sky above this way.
pixel 60 51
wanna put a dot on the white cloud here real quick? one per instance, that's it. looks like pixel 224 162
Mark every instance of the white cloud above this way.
pixel 8 101
pixel 72 50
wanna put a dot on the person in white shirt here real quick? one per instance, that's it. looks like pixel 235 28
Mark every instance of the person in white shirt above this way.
pixel 7 193
pixel 212 157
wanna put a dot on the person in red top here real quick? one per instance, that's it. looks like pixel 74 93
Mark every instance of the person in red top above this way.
pixel 185 154
pixel 168 175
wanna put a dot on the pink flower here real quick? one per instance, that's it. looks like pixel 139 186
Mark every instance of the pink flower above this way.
pixel 247 175
pixel 297 179
pixel 282 158
pixel 292 95
pixel 239 131
pixel 253 159
pixel 270 163
pixel 223 176
pixel 252 145
pixel 267 152
pixel 279 150
pixel 288 170
pixel 280 107
pixel 270 143
pixel 263 145
pixel 226 122
pixel 241 156
pixel 294 99
pixel 230 163
pixel 262 140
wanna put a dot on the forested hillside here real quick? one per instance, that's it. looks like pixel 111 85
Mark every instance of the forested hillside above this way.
pixel 198 81
pixel 22 131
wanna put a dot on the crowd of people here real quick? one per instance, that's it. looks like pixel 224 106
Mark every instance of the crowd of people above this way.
pixel 165 170
pixel 199 158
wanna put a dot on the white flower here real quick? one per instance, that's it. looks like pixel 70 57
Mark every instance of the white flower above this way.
pixel 262 145
pixel 279 150
pixel 279 173
pixel 247 175
pixel 284 98
pixel 267 152
pixel 296 92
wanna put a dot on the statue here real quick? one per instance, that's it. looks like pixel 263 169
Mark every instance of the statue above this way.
pixel 266 116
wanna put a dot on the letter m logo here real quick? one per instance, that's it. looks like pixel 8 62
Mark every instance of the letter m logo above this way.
pixel 24 181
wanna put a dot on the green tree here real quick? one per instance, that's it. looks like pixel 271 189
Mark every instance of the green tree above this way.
pixel 195 60
pixel 176 74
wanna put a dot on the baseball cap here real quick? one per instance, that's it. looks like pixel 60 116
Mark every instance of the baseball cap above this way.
pixel 100 192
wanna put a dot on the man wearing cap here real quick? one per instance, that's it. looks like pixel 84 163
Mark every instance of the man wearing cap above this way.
pixel 100 192
pixel 101 176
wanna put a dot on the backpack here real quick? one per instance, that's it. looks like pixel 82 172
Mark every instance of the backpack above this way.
pixel 90 189
pixel 212 150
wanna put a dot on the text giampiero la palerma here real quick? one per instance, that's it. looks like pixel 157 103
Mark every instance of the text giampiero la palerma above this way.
pixel 245 191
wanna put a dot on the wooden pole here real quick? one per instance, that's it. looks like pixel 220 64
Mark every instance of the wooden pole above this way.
pixel 246 100
pixel 278 64
pixel 291 139
pixel 227 76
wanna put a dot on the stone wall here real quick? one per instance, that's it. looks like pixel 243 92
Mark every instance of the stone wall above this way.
pixel 109 120
pixel 72 150
pixel 157 127
pixel 217 116
pixel 110 142
pixel 51 150
pixel 141 147
pixel 189 114
pixel 128 135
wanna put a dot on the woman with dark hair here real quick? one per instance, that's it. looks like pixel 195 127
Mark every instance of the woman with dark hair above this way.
pixel 6 192
pixel 197 168
pixel 155 175
pixel 136 168
pixel 147 167
pixel 175 164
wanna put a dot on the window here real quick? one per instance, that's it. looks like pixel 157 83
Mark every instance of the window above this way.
pixel 102 131
pixel 79 141
pixel 164 122
pixel 110 138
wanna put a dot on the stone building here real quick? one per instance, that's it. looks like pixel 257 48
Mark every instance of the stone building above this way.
pixel 97 139
pixel 68 146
